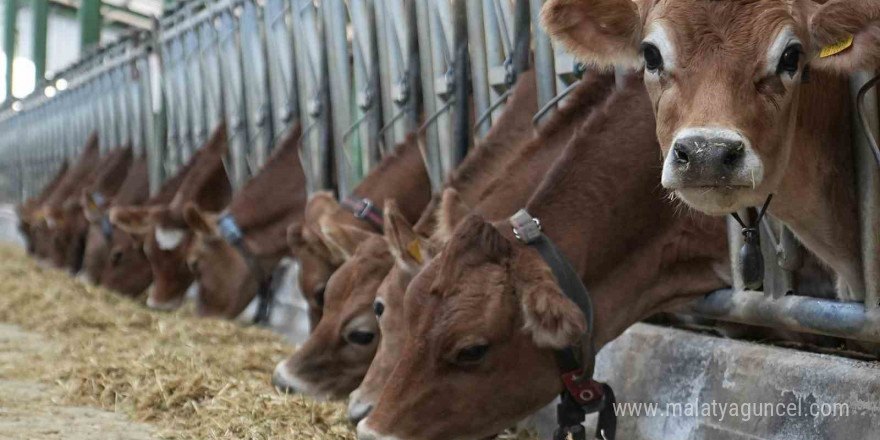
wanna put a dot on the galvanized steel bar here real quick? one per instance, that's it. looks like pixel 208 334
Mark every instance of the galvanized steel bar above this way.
pixel 868 188
pixel 313 94
pixel 796 313
pixel 257 99
pixel 282 70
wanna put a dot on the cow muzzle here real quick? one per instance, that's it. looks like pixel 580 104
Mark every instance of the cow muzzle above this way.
pixel 711 158
pixel 711 169
pixel 358 408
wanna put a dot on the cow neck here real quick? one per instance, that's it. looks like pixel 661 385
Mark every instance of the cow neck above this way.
pixel 136 188
pixel 507 135
pixel 276 191
pixel 80 175
pixel 524 172
pixel 53 185
pixel 817 197
pixel 112 174
pixel 401 176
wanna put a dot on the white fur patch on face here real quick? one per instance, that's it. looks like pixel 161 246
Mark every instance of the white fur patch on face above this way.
pixel 784 39
pixel 658 36
pixel 169 239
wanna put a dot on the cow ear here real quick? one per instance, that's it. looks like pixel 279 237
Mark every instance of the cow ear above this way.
pixel 550 318
pixel 452 211
pixel 200 222
pixel 90 207
pixel 342 240
pixel 135 221
pixel 410 251
pixel 604 33
pixel 845 35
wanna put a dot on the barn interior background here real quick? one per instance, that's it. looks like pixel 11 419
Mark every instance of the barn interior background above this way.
pixel 358 75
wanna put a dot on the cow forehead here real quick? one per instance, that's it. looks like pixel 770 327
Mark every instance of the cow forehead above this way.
pixel 735 30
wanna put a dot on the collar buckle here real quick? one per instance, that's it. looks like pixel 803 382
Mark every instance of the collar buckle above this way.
pixel 363 211
pixel 526 228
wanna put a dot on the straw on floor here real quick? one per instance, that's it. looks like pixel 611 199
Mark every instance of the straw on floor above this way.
pixel 193 378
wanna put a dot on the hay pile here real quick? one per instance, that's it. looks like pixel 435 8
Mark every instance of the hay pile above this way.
pixel 192 378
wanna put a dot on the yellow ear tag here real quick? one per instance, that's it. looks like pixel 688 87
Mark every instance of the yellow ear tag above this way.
pixel 415 250
pixel 837 48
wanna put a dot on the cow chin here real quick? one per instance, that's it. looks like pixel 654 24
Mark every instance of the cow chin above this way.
pixel 720 200
pixel 166 306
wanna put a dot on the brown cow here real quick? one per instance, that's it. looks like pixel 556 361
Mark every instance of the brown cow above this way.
pixel 66 223
pixel 261 212
pixel 31 220
pixel 128 270
pixel 401 176
pixel 487 312
pixel 506 191
pixel 167 238
pixel 94 201
pixel 738 119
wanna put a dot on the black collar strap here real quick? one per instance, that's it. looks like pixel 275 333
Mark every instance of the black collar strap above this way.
pixel 582 394
pixel 107 228
pixel 230 232
pixel 99 199
pixel 365 209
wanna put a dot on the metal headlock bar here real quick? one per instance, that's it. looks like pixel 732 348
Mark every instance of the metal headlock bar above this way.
pixel 358 75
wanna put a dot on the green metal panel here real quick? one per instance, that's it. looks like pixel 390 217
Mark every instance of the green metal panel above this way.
pixel 9 14
pixel 41 17
pixel 89 15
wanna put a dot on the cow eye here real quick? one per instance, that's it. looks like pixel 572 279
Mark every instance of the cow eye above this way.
pixel 471 355
pixel 790 60
pixel 361 337
pixel 378 308
pixel 653 59
pixel 116 257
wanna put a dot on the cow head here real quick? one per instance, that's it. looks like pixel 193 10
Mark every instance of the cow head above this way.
pixel 127 269
pixel 98 238
pixel 482 317
pixel 724 78
pixel 318 261
pixel 68 228
pixel 226 282
pixel 167 240
pixel 336 356
pixel 411 252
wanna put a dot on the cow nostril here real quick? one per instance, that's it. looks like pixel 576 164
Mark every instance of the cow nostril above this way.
pixel 734 154
pixel 680 156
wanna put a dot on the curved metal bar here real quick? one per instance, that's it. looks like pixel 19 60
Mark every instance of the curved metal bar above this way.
pixel 552 103
pixel 865 123
pixel 485 116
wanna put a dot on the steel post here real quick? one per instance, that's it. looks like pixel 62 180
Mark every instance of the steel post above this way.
pixel 89 15
pixel 868 188
pixel 40 11
pixel 10 11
